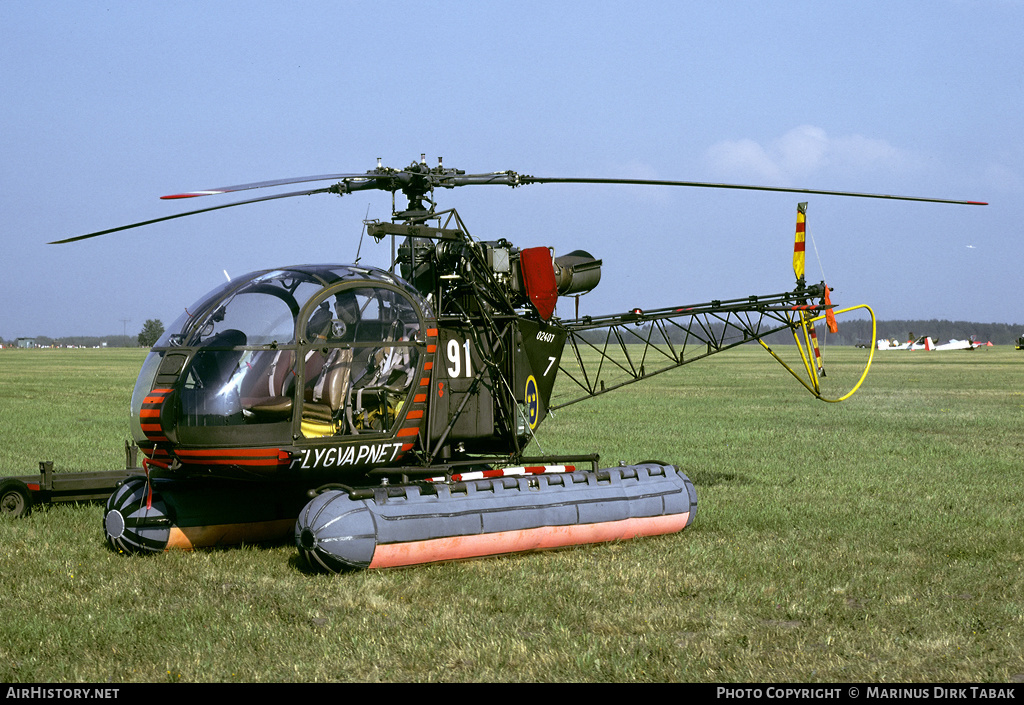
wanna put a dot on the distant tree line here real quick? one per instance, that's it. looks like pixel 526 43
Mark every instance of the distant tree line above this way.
pixel 852 332
pixel 150 333
pixel 858 332
pixel 81 341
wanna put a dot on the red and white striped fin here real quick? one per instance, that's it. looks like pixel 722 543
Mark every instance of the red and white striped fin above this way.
pixel 505 472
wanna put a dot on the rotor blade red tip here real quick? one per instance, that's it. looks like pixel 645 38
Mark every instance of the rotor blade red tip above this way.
pixel 190 194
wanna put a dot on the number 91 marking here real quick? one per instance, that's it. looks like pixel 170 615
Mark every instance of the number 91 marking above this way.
pixel 454 353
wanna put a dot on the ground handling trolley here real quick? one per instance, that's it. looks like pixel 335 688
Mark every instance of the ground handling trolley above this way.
pixel 19 494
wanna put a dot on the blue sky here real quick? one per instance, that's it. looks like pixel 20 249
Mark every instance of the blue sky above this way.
pixel 109 105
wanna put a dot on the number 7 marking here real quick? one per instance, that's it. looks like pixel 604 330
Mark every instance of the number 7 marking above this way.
pixel 551 361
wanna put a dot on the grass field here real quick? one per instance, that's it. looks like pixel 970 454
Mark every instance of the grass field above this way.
pixel 874 540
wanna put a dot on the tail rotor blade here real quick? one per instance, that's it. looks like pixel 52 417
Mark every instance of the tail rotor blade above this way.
pixel 800 241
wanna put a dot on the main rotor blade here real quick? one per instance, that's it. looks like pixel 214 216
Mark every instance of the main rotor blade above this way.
pixel 702 184
pixel 416 182
pixel 182 215
pixel 265 184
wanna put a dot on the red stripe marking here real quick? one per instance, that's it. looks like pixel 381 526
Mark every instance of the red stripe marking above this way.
pixel 233 452
pixel 244 462
pixel 247 462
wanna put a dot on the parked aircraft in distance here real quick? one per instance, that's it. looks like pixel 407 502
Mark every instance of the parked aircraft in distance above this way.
pixel 927 343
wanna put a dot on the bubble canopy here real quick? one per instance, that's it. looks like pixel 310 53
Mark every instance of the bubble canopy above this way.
pixel 260 346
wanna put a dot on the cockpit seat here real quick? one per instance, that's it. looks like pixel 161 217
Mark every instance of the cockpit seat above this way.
pixel 267 393
pixel 327 385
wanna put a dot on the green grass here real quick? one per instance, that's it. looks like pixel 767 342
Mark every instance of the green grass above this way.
pixel 68 406
pixel 874 540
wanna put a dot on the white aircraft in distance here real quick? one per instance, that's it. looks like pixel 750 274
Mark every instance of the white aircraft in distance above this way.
pixel 927 343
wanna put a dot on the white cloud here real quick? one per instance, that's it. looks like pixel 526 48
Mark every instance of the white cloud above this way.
pixel 744 157
pixel 802 152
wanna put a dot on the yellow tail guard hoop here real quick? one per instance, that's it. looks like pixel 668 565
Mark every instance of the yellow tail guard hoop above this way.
pixel 812 383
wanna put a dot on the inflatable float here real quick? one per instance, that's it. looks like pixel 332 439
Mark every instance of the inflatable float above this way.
pixel 475 515
pixel 152 515
pixel 415 524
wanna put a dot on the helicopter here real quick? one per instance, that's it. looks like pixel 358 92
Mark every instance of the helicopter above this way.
pixel 382 416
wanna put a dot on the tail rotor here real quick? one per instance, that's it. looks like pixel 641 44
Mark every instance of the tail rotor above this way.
pixel 804 320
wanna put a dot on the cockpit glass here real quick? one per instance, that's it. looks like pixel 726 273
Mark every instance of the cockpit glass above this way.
pixel 335 346
pixel 259 311
pixel 177 333
pixel 359 358
pixel 363 316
